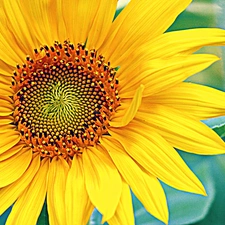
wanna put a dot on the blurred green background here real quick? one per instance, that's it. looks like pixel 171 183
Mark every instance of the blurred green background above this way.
pixel 185 208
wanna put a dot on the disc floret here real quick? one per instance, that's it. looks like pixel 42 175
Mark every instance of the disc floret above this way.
pixel 64 99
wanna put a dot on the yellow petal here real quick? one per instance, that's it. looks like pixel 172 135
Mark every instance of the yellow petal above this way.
pixel 152 152
pixel 10 193
pixel 12 151
pixel 184 41
pixel 57 176
pixel 138 23
pixel 8 140
pixel 128 109
pixel 101 23
pixel 124 212
pixel 146 187
pixel 78 204
pixel 8 53
pixel 43 23
pixel 79 17
pixel 5 90
pixel 6 120
pixel 177 43
pixel 159 74
pixel 5 79
pixel 6 71
pixel 28 206
pixel 7 128
pixel 6 106
pixel 16 23
pixel 13 168
pixel 199 101
pixel 181 131
pixel 103 182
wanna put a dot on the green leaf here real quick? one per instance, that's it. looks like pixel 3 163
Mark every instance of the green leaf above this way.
pixel 217 124
pixel 216 214
pixel 43 218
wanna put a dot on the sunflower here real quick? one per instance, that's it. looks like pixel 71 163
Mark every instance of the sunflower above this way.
pixel 91 107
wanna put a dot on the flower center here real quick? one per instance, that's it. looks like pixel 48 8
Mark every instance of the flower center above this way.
pixel 64 99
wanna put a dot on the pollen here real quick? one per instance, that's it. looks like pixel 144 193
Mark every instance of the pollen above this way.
pixel 64 98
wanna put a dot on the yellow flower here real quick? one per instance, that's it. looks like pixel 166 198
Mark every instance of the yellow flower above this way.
pixel 91 107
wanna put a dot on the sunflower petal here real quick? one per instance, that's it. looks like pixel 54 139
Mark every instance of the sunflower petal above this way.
pixel 42 23
pixel 6 71
pixel 103 182
pixel 6 120
pixel 146 187
pixel 12 151
pixel 57 176
pixel 185 41
pixel 124 212
pixel 159 74
pixel 15 18
pixel 199 101
pixel 152 152
pixel 79 17
pixel 177 43
pixel 6 106
pixel 32 199
pixel 10 193
pixel 8 140
pixel 181 131
pixel 8 54
pixel 151 20
pixel 78 204
pixel 128 109
pixel 13 168
pixel 101 23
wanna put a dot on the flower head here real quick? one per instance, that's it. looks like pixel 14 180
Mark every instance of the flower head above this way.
pixel 90 107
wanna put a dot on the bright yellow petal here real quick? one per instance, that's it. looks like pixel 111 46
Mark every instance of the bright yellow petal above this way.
pixel 139 22
pixel 128 109
pixel 196 100
pixel 10 193
pixel 78 204
pixel 28 206
pixel 79 17
pixel 6 90
pixel 177 43
pixel 160 74
pixel 10 56
pixel 57 176
pixel 184 41
pixel 41 18
pixel 152 152
pixel 146 187
pixel 13 168
pixel 8 140
pixel 6 105
pixel 6 128
pixel 6 120
pixel 103 182
pixel 8 53
pixel 5 79
pixel 101 24
pixel 16 23
pixel 6 71
pixel 181 131
pixel 12 151
pixel 124 212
